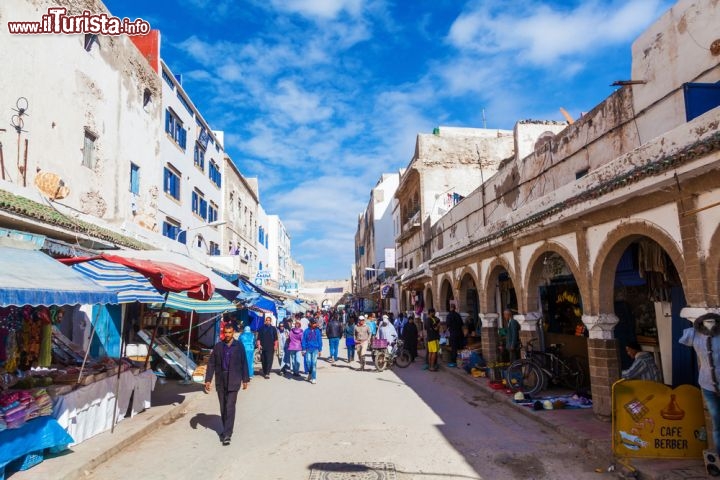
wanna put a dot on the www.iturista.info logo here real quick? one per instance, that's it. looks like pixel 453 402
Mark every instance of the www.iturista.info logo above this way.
pixel 58 21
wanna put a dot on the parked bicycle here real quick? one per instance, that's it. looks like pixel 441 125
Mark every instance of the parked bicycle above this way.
pixel 532 373
pixel 398 354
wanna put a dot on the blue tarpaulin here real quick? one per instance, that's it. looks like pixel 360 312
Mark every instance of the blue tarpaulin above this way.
pixel 29 277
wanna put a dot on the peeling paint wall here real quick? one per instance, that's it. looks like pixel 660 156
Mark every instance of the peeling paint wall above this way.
pixel 672 51
pixel 71 91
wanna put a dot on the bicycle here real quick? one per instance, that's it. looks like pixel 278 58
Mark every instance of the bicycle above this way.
pixel 531 374
pixel 398 354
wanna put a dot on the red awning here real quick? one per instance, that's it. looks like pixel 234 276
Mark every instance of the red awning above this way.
pixel 165 276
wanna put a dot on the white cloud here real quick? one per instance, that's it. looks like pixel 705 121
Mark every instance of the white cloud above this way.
pixel 299 105
pixel 319 9
pixel 546 33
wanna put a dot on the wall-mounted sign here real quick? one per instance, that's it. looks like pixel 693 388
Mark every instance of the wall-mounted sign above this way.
pixel 652 420
pixel 263 274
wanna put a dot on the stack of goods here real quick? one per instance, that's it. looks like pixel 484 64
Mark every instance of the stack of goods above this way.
pixel 12 409
pixel 19 406
pixel 43 401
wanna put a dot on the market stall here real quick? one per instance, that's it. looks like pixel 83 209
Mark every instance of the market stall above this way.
pixel 33 289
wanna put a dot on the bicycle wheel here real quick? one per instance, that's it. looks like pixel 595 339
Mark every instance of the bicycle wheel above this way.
pixel 380 360
pixel 526 377
pixel 257 357
pixel 572 373
pixel 403 359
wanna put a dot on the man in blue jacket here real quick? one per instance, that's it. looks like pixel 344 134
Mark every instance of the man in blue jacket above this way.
pixel 228 364
pixel 312 346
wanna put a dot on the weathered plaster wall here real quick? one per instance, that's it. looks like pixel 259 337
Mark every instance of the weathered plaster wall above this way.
pixel 672 51
pixel 71 90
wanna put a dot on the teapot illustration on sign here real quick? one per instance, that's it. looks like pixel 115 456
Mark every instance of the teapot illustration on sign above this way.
pixel 673 410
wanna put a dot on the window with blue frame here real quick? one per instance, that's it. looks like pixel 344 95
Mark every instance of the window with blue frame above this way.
pixel 134 179
pixel 199 156
pixel 199 204
pixel 171 183
pixel 184 102
pixel 214 249
pixel 174 128
pixel 171 229
pixel 261 236
pixel 215 175
pixel 167 79
pixel 212 213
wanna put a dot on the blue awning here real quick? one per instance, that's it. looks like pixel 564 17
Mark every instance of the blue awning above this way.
pixel 29 277
pixel 129 285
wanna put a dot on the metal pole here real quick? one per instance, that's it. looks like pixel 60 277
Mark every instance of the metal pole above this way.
pixel 117 383
pixel 188 380
pixel 154 334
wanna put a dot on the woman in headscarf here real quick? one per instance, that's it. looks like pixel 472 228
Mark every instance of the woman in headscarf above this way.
pixel 248 340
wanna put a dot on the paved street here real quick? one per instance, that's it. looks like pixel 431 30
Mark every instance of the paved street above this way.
pixel 427 425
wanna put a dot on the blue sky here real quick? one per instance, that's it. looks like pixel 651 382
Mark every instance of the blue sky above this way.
pixel 317 98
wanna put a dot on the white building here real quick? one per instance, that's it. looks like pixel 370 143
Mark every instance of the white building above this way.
pixel 192 158
pixel 88 111
pixel 375 242
pixel 239 252
pixel 263 242
pixel 278 251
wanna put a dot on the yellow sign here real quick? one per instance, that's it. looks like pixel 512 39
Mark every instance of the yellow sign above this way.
pixel 652 420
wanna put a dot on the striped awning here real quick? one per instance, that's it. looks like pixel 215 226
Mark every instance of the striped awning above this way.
pixel 216 304
pixel 29 277
pixel 129 285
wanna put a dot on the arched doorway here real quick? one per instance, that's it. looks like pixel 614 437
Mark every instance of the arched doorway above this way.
pixel 446 295
pixel 554 292
pixel 648 295
pixel 468 304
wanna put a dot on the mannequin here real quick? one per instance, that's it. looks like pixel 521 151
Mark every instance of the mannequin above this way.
pixel 704 337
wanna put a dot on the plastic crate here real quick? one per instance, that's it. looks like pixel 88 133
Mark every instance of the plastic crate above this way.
pixel 379 343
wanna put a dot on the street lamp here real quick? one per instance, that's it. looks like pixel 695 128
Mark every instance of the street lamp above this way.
pixel 216 223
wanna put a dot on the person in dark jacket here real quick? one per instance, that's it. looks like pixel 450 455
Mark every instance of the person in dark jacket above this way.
pixel 312 346
pixel 334 331
pixel 457 338
pixel 228 364
pixel 267 342
pixel 410 337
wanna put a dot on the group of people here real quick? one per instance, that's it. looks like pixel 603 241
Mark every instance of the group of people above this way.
pixel 299 340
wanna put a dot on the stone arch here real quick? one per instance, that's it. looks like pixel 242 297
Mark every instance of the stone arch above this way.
pixel 529 301
pixel 487 297
pixel 428 298
pixel 445 292
pixel 712 268
pixel 616 242
pixel 466 279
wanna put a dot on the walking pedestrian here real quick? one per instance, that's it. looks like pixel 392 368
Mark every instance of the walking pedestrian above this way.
pixel 410 337
pixel 295 347
pixel 361 333
pixel 457 338
pixel 247 338
pixel 228 364
pixel 349 333
pixel 267 342
pixel 283 352
pixel 334 332
pixel 433 340
pixel 312 346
